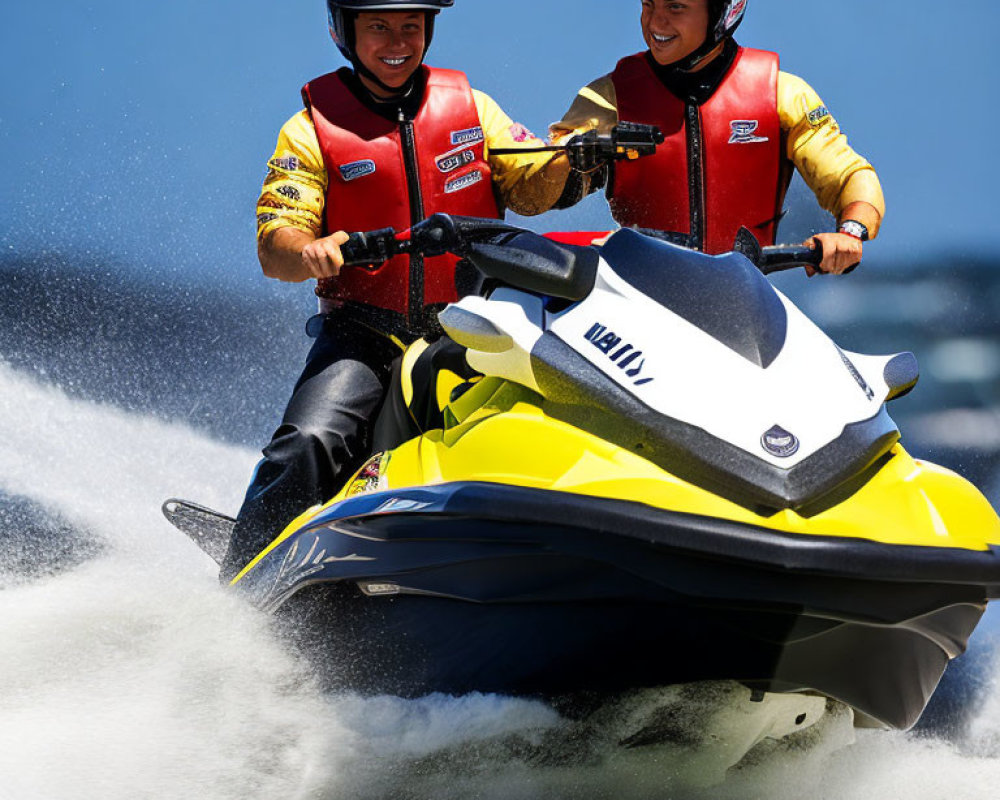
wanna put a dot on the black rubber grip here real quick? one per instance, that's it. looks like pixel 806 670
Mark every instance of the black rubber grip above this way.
pixel 782 257
pixel 372 247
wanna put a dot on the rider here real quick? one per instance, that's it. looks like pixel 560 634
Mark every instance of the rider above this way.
pixel 735 127
pixel 382 144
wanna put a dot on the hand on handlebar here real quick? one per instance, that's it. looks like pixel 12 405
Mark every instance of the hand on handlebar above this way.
pixel 841 253
pixel 434 236
pixel 323 257
pixel 626 141
pixel 584 154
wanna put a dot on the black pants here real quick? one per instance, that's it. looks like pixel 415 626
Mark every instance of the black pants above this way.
pixel 323 438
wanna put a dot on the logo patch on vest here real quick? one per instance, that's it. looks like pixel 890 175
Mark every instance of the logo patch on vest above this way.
pixel 463 182
pixel 468 136
pixel 745 132
pixel 356 169
pixel 818 116
pixel 454 159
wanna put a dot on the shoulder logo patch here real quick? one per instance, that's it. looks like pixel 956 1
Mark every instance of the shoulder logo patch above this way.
pixel 287 163
pixel 356 169
pixel 468 136
pixel 818 116
pixel 745 132
pixel 520 134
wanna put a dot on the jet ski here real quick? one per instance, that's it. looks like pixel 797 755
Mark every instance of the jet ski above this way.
pixel 632 465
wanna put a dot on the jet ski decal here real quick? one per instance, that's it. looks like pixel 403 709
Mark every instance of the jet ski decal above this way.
pixel 869 392
pixel 302 559
pixel 779 442
pixel 607 341
pixel 370 477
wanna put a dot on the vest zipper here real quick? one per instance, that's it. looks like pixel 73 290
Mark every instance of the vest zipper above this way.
pixel 415 299
pixel 696 176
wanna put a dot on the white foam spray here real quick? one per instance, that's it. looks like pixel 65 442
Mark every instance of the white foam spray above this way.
pixel 134 675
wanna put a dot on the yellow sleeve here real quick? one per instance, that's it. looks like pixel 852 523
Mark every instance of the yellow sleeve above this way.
pixel 837 175
pixel 595 106
pixel 528 184
pixel 294 190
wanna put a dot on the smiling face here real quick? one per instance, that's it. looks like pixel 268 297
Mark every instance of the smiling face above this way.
pixel 673 29
pixel 390 44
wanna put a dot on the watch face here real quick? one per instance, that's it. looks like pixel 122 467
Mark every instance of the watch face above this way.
pixel 854 228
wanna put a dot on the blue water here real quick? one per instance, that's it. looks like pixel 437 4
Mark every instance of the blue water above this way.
pixel 126 672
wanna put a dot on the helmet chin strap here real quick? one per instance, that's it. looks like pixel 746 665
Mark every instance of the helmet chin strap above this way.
pixel 693 61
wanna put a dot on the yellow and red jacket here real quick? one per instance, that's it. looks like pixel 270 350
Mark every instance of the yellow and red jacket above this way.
pixel 734 177
pixel 392 174
pixel 721 164
pixel 306 187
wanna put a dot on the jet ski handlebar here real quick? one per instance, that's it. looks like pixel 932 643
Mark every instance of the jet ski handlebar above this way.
pixel 434 236
pixel 446 233
pixel 501 253
pixel 591 150
pixel 789 256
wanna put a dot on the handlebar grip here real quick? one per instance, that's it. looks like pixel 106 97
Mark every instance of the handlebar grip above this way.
pixel 782 257
pixel 638 133
pixel 372 247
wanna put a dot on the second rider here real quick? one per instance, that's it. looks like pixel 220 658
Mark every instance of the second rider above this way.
pixel 736 126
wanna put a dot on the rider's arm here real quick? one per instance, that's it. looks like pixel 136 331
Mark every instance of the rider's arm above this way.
pixel 290 244
pixel 595 107
pixel 844 183
pixel 837 174
pixel 294 255
pixel 528 184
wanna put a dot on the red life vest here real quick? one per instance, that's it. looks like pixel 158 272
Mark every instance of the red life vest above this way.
pixel 722 165
pixel 393 174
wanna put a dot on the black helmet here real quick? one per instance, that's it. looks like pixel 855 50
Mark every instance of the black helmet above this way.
pixel 339 21
pixel 724 17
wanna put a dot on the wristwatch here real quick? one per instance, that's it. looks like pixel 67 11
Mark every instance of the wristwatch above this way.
pixel 854 228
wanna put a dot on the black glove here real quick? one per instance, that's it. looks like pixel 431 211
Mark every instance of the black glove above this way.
pixel 586 152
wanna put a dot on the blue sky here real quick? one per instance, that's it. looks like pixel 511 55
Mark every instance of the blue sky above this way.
pixel 139 131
